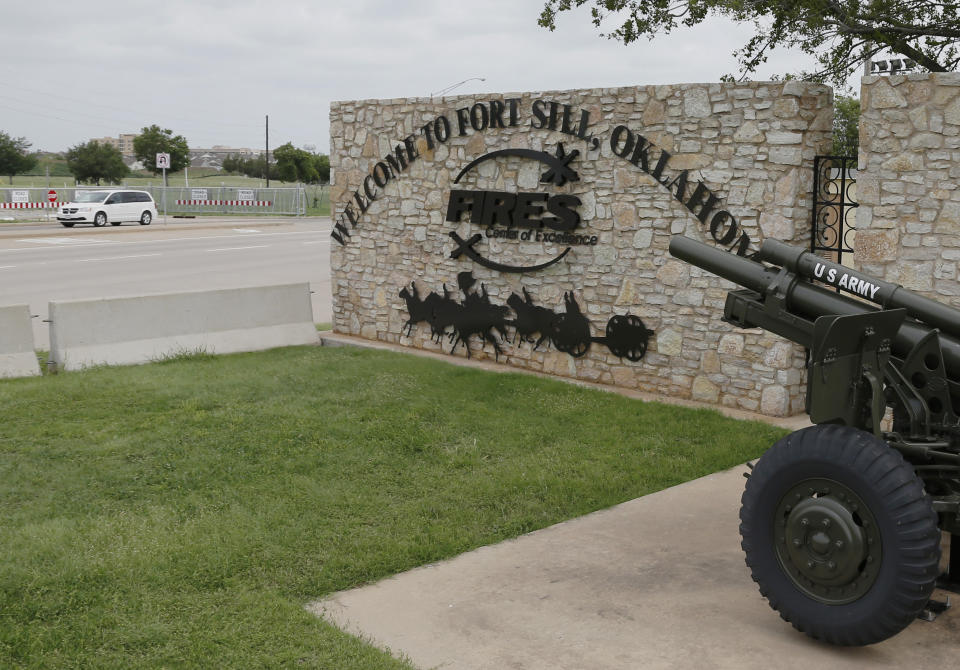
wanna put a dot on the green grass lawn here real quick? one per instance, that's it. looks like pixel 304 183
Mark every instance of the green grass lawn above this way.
pixel 181 514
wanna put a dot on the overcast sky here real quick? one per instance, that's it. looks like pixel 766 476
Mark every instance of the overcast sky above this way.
pixel 211 70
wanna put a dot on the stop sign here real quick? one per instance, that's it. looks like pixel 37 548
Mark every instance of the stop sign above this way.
pixel 52 195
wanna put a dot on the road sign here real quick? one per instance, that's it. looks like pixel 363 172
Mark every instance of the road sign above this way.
pixel 163 160
pixel 52 195
pixel 245 195
pixel 20 196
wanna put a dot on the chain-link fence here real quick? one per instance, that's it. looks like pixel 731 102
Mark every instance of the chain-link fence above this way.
pixel 173 199
pixel 20 199
pixel 229 200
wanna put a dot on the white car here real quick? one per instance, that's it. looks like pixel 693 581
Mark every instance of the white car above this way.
pixel 109 206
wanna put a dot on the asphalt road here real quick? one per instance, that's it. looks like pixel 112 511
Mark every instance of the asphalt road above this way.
pixel 45 262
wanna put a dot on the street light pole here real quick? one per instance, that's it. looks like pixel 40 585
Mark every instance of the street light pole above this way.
pixel 449 88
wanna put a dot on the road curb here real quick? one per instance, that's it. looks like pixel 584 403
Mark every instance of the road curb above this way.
pixel 45 229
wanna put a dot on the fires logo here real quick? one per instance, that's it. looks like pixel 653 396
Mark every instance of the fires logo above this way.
pixel 528 217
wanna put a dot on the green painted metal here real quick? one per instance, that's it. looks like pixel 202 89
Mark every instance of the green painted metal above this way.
pixel 828 542
pixel 891 368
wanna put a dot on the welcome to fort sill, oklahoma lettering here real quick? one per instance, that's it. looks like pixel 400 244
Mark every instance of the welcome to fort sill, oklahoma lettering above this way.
pixel 625 143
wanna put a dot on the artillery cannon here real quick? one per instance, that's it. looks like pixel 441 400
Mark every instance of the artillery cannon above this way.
pixel 842 522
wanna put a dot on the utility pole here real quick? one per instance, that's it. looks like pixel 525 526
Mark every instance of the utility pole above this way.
pixel 266 161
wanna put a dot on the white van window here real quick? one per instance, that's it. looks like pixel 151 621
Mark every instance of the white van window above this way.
pixel 90 196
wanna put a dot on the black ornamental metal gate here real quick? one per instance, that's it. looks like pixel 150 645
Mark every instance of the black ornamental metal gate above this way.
pixel 834 206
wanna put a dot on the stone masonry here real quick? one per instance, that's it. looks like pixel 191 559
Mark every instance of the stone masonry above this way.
pixel 908 187
pixel 750 145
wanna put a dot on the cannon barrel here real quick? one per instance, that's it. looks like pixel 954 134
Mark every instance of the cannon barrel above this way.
pixel 809 301
pixel 885 294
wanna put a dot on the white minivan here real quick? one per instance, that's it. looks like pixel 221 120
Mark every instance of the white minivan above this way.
pixel 111 206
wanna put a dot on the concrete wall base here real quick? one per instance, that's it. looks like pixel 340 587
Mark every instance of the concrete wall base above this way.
pixel 17 357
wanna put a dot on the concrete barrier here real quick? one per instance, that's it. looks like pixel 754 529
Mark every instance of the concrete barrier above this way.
pixel 17 357
pixel 123 331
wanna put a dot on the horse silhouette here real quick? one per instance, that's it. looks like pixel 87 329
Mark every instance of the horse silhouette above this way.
pixel 478 316
pixel 417 309
pixel 531 319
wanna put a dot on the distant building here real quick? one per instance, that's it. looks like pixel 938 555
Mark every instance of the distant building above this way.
pixel 123 142
pixel 213 157
pixel 199 158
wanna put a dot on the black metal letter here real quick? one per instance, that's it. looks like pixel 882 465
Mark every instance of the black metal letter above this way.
pixel 463 115
pixel 566 217
pixel 385 170
pixel 460 202
pixel 540 119
pixel 371 192
pixel 410 142
pixel 350 215
pixel 514 116
pixel 680 181
pixel 496 114
pixel 497 208
pixel 528 204
pixel 717 223
pixel 441 123
pixel 615 141
pixel 661 164
pixel 697 200
pixel 425 130
pixel 481 122
pixel 640 154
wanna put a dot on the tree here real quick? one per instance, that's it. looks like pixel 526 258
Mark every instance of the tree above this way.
pixel 288 161
pixel 231 164
pixel 254 167
pixel 840 34
pixel 298 165
pixel 846 126
pixel 153 140
pixel 93 161
pixel 322 163
pixel 14 158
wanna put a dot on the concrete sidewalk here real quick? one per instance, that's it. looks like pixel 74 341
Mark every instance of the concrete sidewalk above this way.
pixel 657 582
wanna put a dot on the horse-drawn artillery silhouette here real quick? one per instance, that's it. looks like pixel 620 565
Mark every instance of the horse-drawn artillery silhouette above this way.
pixel 476 314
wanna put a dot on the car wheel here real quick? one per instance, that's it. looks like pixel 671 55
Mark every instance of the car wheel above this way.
pixel 100 219
pixel 67 224
pixel 839 535
pixel 146 218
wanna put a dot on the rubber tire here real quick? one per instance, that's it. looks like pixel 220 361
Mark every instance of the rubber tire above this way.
pixel 146 218
pixel 67 224
pixel 906 522
pixel 100 219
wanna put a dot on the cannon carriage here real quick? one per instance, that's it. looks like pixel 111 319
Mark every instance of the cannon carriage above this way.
pixel 842 522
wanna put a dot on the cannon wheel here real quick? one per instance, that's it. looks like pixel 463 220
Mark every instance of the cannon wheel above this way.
pixel 839 535
pixel 627 336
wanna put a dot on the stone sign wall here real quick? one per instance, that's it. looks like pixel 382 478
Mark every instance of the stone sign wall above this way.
pixel 533 229
pixel 908 187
